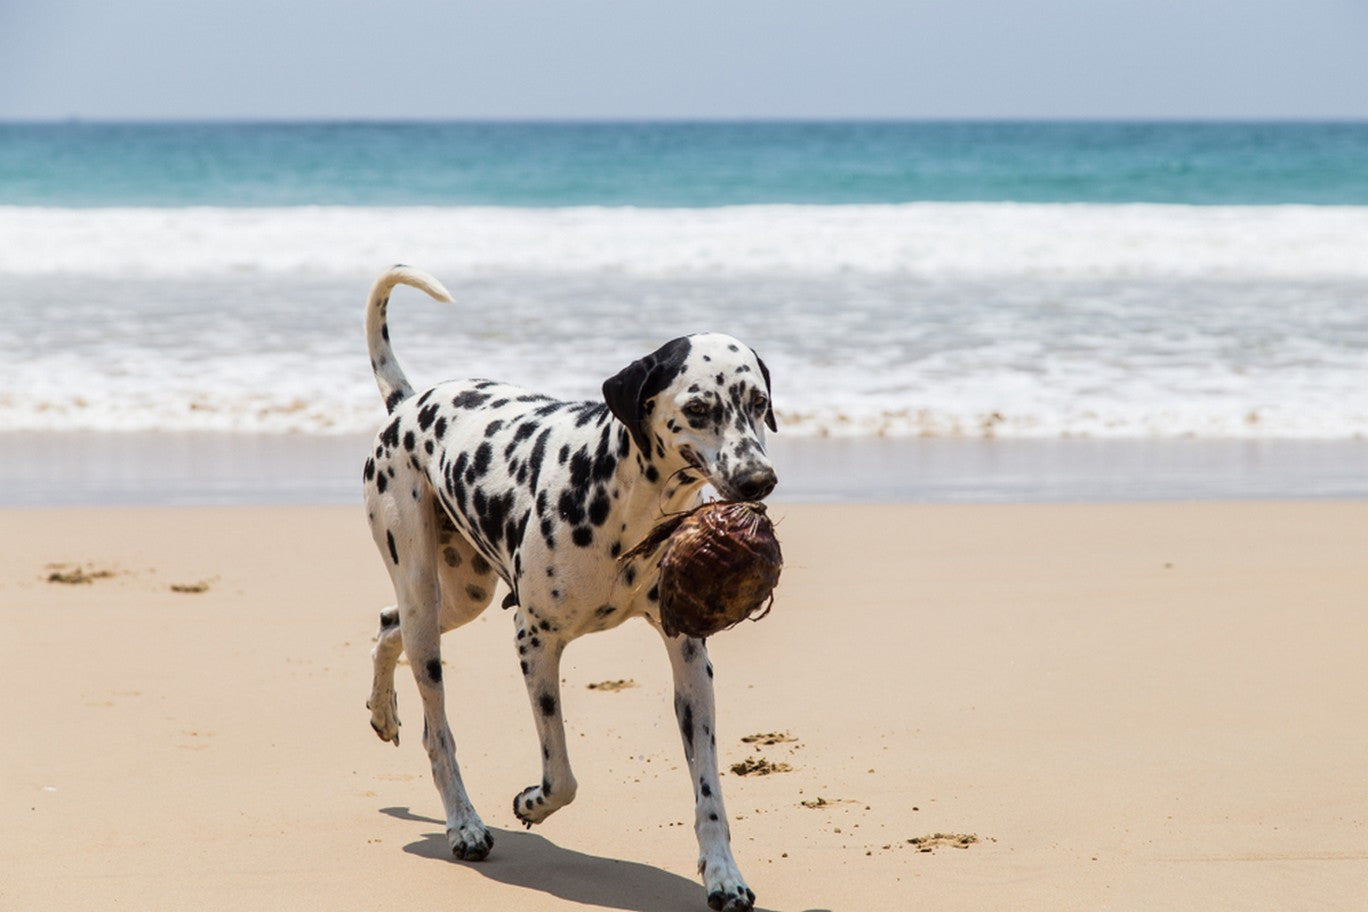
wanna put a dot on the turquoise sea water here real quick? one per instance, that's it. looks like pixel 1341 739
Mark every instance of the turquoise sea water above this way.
pixel 680 164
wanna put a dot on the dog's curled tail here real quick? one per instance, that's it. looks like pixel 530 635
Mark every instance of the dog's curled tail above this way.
pixel 394 386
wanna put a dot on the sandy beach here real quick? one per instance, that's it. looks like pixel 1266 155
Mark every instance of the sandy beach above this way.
pixel 1132 706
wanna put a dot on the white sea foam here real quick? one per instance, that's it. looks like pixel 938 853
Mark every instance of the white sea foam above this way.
pixel 921 240
pixel 924 319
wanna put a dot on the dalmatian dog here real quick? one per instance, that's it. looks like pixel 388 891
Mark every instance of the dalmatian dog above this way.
pixel 472 482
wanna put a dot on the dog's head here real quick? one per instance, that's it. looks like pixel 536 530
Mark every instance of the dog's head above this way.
pixel 701 401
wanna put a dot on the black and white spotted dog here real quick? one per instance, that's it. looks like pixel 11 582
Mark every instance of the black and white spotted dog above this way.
pixel 472 482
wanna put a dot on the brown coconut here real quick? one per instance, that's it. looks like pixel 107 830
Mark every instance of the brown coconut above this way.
pixel 719 564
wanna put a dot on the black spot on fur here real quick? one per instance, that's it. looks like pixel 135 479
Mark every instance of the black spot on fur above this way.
pixel 686 724
pixel 580 468
pixel 483 454
pixel 548 704
pixel 390 435
pixel 434 670
pixel 590 414
pixel 394 552
pixel 570 508
pixel 471 399
pixel 583 536
pixel 427 415
pixel 493 514
pixel 534 461
pixel 392 402
pixel 598 509
pixel 513 536
pixel 388 620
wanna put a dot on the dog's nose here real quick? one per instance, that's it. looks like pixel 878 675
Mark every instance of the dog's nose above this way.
pixel 757 484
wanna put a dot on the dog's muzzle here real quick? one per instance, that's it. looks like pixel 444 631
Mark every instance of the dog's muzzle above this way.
pixel 755 484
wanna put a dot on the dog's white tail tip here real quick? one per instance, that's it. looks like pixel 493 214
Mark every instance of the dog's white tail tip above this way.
pixel 400 274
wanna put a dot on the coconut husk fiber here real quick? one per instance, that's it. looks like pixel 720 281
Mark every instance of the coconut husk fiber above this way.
pixel 719 564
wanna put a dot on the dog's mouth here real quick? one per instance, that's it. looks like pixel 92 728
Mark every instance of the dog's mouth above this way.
pixel 694 460
pixel 696 463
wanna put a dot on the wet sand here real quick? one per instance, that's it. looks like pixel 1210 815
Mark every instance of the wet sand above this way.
pixel 88 468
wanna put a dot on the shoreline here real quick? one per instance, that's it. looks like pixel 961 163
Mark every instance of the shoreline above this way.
pixel 108 469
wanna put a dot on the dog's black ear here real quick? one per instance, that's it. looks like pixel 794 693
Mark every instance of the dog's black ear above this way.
pixel 629 390
pixel 769 408
pixel 622 392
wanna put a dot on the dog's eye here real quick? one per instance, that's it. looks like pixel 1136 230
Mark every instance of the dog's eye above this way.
pixel 759 402
pixel 696 407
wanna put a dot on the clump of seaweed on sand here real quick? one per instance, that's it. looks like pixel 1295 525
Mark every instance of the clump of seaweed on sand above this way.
pixel 75 574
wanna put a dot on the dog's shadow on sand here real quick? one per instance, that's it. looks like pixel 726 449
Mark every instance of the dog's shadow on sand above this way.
pixel 532 862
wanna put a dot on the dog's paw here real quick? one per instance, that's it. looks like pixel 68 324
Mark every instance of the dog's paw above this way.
pixel 385 717
pixel 742 900
pixel 470 842
pixel 727 892
pixel 532 806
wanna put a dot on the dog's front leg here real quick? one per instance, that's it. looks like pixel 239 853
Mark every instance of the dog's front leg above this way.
pixel 540 656
pixel 694 708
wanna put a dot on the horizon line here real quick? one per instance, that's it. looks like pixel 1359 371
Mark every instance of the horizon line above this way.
pixel 835 120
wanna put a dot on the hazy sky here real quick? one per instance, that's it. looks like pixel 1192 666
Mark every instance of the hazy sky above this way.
pixel 692 58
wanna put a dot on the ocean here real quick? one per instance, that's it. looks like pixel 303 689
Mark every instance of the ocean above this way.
pixel 1027 282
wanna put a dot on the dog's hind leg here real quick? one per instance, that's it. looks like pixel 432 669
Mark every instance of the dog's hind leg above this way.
pixel 408 540
pixel 539 649
pixel 694 709
pixel 467 583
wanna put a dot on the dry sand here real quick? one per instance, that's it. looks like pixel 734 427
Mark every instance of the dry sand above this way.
pixel 1159 706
